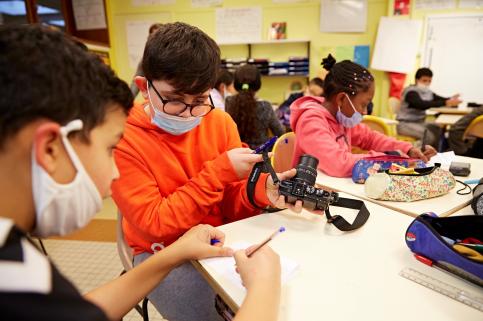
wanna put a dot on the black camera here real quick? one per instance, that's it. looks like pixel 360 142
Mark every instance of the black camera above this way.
pixel 301 186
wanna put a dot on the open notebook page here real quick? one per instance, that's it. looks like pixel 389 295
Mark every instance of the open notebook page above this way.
pixel 226 265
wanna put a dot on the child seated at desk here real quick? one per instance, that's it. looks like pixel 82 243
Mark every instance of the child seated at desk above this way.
pixel 329 127
pixel 56 163
pixel 416 99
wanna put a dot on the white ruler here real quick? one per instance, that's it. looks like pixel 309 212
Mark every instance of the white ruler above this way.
pixel 463 296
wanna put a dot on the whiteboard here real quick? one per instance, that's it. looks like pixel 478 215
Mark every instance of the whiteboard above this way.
pixel 235 25
pixel 397 45
pixel 343 15
pixel 453 50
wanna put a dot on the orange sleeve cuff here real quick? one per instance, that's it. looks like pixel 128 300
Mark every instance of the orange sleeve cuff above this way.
pixel 260 196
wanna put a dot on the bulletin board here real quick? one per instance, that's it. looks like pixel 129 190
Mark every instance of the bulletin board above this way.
pixel 453 49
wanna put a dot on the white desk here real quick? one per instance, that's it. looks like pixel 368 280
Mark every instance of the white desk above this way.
pixel 447 119
pixel 345 276
pixel 443 205
pixel 451 110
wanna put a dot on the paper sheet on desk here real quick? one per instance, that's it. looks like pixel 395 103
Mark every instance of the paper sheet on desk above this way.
pixel 226 265
pixel 445 159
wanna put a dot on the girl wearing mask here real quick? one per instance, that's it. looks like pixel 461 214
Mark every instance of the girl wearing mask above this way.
pixel 256 120
pixel 328 127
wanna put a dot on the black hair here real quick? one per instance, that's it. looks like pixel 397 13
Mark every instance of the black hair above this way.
pixel 154 27
pixel 247 83
pixel 317 81
pixel 46 75
pixel 224 77
pixel 345 76
pixel 421 72
pixel 182 55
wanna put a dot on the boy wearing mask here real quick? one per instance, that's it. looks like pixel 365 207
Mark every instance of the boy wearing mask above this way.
pixel 181 164
pixel 415 100
pixel 56 164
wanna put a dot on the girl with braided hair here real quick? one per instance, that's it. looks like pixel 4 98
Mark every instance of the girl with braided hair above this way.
pixel 328 127
pixel 256 120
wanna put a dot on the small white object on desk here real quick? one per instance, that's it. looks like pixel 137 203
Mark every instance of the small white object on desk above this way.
pixel 445 159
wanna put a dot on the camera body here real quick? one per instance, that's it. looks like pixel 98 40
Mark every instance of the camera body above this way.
pixel 301 186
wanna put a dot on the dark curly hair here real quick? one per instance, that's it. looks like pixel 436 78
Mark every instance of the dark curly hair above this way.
pixel 345 76
pixel 184 56
pixel 46 75
pixel 247 83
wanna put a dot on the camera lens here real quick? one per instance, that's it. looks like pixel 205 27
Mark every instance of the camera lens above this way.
pixel 307 169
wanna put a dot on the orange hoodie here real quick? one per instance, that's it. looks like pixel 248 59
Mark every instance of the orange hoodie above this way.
pixel 169 183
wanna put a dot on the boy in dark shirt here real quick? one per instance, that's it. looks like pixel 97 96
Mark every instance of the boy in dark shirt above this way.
pixel 415 100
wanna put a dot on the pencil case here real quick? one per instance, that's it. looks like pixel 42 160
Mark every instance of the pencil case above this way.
pixel 371 165
pixel 426 183
pixel 449 243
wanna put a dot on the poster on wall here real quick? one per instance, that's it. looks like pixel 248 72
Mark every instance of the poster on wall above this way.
pixel 401 7
pixel 397 45
pixel 206 3
pixel 137 3
pixel 89 14
pixel 471 4
pixel 239 25
pixel 136 33
pixel 358 54
pixel 343 15
pixel 434 4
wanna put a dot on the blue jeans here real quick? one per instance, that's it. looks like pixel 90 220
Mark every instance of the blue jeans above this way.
pixel 183 295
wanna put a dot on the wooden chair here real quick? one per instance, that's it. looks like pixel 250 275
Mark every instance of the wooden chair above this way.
pixel 126 256
pixel 283 152
pixel 475 128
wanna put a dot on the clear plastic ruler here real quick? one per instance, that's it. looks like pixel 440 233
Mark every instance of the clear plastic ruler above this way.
pixel 463 296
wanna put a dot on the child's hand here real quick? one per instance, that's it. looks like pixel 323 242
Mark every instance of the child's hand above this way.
pixel 195 244
pixel 261 269
pixel 417 153
pixel 274 196
pixel 243 160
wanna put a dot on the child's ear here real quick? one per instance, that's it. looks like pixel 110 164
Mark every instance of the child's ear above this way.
pixel 48 146
pixel 339 98
pixel 142 84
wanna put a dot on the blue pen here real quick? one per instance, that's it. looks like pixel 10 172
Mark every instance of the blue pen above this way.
pixel 214 241
pixel 280 230
pixel 269 143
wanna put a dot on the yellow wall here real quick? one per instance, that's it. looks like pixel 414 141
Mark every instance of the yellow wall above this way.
pixel 302 23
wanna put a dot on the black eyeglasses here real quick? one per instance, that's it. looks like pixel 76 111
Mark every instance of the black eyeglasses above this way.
pixel 176 107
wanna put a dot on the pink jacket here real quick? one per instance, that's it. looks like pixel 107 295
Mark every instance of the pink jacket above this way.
pixel 320 135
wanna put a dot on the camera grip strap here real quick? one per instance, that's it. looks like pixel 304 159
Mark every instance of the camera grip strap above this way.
pixel 258 168
pixel 340 222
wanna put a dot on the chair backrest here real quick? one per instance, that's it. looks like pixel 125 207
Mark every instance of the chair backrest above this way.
pixel 475 128
pixel 124 250
pixel 283 152
pixel 376 123
pixel 394 105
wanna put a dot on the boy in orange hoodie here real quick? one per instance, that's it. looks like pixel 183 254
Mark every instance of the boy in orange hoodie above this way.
pixel 181 164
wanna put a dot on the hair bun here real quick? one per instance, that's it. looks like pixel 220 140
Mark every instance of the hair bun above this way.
pixel 328 62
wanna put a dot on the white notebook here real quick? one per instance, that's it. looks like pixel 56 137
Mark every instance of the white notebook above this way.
pixel 226 265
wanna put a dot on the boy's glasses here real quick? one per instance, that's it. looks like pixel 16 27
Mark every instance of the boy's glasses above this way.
pixel 176 107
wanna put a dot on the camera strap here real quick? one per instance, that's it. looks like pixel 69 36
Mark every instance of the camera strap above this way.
pixel 338 221
pixel 258 168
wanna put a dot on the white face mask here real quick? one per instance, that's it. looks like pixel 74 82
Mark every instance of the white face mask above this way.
pixel 63 208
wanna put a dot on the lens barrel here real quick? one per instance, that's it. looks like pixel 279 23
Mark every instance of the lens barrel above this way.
pixel 307 169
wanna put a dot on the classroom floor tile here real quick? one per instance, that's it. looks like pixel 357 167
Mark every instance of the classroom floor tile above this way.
pixel 90 264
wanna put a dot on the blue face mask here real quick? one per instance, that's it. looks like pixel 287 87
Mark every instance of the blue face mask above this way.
pixel 349 122
pixel 172 124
